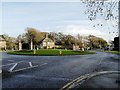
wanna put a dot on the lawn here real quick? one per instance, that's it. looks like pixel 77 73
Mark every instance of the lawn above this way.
pixel 113 52
pixel 50 52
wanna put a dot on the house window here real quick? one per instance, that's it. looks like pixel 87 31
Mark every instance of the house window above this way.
pixel 48 42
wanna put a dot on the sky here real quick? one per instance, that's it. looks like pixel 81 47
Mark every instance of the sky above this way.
pixel 67 17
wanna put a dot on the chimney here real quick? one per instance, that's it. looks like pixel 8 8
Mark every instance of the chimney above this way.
pixel 46 35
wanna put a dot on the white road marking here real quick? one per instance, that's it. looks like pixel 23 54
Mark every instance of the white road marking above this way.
pixel 29 67
pixel 11 69
pixel 11 63
pixel 81 79
pixel 11 60
pixel 30 64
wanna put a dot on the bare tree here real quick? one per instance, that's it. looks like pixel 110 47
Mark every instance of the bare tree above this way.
pixel 106 9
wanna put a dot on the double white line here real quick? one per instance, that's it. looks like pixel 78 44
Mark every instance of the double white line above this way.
pixel 81 79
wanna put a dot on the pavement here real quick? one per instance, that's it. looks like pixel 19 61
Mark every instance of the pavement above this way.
pixel 57 71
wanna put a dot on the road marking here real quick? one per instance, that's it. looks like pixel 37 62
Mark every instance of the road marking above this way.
pixel 11 69
pixel 81 79
pixel 30 64
pixel 11 63
pixel 29 67
pixel 11 60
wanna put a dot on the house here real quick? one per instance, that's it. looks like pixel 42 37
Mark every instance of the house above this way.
pixel 2 43
pixel 47 43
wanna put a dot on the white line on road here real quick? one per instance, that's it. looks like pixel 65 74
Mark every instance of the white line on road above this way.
pixel 11 60
pixel 29 67
pixel 81 79
pixel 11 63
pixel 11 69
pixel 30 64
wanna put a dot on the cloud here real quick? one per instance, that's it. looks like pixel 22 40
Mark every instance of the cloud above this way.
pixel 76 29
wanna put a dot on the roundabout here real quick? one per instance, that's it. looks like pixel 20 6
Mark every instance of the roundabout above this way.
pixel 50 52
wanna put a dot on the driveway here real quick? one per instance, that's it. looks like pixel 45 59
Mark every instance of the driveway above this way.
pixel 56 71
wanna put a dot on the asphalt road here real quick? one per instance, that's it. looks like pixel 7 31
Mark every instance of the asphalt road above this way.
pixel 57 71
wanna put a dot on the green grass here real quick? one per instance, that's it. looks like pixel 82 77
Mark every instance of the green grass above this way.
pixel 113 52
pixel 50 52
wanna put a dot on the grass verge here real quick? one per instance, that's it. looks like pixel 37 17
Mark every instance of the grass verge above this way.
pixel 50 52
pixel 113 52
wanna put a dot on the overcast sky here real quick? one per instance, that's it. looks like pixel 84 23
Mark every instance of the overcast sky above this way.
pixel 66 17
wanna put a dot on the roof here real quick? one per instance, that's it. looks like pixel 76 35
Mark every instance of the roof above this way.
pixel 47 40
pixel 2 38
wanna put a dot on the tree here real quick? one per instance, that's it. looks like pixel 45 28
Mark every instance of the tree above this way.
pixel 111 43
pixel 34 35
pixel 57 37
pixel 65 40
pixel 31 34
pixel 107 9
pixel 80 39
pixel 96 42
pixel 10 41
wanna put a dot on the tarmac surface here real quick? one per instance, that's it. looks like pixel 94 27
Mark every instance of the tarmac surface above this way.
pixel 57 71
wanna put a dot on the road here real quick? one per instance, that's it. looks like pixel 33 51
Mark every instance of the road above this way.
pixel 56 71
